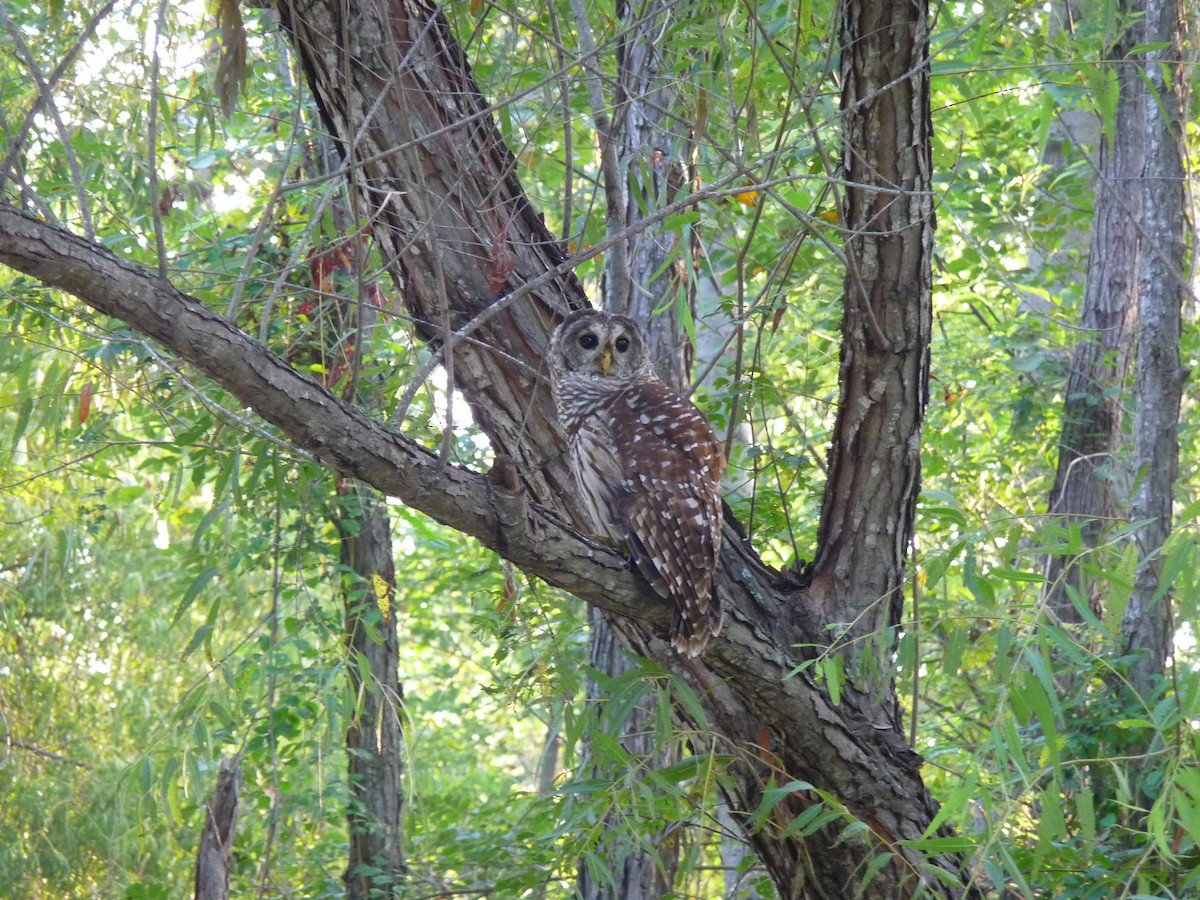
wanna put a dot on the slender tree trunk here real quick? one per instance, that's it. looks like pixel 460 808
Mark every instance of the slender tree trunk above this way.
pixel 1085 491
pixel 1135 269
pixel 215 852
pixel 374 745
pixel 1155 82
pixel 346 306
pixel 639 280
pixel 654 151
pixel 874 461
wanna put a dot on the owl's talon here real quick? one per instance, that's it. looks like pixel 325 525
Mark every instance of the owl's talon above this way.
pixel 605 541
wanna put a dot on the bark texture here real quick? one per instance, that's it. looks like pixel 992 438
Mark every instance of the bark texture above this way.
pixel 1134 293
pixel 1085 490
pixel 453 224
pixel 654 149
pixel 455 229
pixel 874 462
pixel 1156 81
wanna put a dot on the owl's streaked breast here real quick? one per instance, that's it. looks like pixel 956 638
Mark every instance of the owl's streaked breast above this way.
pixel 598 475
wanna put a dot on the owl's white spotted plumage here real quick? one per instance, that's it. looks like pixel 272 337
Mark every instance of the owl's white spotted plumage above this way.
pixel 647 464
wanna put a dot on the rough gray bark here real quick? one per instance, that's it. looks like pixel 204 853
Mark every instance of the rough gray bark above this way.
pixel 215 852
pixel 1134 292
pixel 654 149
pixel 1084 490
pixel 1155 81
pixel 452 223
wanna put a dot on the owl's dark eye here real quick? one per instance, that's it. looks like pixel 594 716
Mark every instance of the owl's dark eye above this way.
pixel 621 343
pixel 588 341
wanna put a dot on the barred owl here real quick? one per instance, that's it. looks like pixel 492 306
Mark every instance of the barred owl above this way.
pixel 647 465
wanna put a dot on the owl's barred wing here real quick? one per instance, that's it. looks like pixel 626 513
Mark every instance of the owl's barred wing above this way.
pixel 676 555
pixel 671 507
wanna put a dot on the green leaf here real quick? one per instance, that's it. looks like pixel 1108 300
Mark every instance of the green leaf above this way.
pixel 811 820
pixel 199 583
pixel 1085 812
pixel 874 866
pixel 1017 576
pixel 851 831
pixel 771 798
pixel 1151 47
pixel 936 845
pixel 955 645
pixel 686 769
pixel 1135 723
pixel 198 638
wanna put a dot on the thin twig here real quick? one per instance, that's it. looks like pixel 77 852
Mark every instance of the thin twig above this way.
pixel 47 98
pixel 10 158
pixel 46 754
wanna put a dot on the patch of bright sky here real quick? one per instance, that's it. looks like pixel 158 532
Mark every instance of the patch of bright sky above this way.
pixel 175 57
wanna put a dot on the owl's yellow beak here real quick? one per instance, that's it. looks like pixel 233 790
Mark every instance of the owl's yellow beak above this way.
pixel 606 360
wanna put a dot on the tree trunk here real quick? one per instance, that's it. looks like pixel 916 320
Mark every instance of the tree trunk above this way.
pixel 653 155
pixel 374 745
pixel 451 221
pixel 215 853
pixel 1154 81
pixel 874 460
pixel 1085 491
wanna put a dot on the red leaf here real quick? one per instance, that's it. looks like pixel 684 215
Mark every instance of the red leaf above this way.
pixel 85 402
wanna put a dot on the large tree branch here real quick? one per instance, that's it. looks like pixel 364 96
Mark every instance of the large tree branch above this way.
pixel 315 420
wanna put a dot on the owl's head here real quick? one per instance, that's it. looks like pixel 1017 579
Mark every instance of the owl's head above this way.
pixel 600 345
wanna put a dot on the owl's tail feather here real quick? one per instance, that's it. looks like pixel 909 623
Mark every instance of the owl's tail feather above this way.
pixel 690 635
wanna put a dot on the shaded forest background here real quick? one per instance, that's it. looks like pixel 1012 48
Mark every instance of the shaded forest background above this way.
pixel 180 584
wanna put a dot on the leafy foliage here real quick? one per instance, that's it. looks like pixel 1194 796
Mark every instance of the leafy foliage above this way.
pixel 168 569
